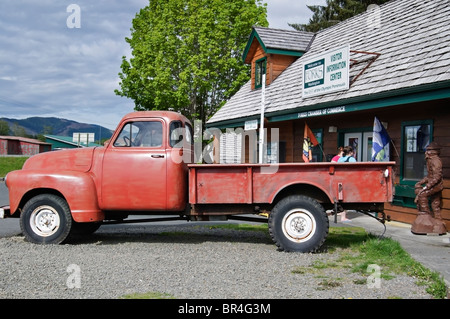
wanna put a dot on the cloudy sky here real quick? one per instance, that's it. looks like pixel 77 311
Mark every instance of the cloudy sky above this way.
pixel 51 67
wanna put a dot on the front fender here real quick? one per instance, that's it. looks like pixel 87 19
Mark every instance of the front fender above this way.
pixel 77 188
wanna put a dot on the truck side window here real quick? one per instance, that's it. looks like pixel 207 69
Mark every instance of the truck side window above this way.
pixel 127 135
pixel 177 133
pixel 189 134
pixel 140 134
pixel 150 134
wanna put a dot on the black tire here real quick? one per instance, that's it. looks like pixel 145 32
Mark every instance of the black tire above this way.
pixel 299 224
pixel 46 219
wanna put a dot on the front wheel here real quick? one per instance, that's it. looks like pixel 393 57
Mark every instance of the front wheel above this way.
pixel 46 219
pixel 298 223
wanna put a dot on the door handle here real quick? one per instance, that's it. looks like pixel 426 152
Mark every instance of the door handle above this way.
pixel 157 156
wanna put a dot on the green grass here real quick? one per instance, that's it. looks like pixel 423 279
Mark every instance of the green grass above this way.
pixel 148 295
pixel 246 227
pixel 357 250
pixel 8 164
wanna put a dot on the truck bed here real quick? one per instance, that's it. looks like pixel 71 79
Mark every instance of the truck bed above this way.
pixel 363 182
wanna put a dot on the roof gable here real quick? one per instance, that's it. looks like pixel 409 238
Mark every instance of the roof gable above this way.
pixel 276 41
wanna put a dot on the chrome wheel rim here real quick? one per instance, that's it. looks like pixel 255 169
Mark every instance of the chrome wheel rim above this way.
pixel 45 221
pixel 299 225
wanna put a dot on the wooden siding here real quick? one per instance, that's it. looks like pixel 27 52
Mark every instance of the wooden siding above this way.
pixel 276 64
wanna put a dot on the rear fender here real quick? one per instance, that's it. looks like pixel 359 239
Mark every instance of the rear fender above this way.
pixel 77 188
pixel 307 189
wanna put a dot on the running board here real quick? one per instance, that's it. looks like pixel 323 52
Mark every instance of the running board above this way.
pixel 249 219
pixel 145 220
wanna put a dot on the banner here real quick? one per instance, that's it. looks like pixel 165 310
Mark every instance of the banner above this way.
pixel 380 142
pixel 309 140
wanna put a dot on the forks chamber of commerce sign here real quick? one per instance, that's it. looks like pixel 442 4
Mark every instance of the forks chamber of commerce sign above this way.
pixel 326 72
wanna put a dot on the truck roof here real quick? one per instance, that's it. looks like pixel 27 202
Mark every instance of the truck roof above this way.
pixel 167 115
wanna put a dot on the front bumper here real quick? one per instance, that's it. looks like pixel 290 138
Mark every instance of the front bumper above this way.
pixel 5 212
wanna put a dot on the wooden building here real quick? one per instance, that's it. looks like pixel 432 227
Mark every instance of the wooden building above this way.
pixel 399 72
pixel 16 145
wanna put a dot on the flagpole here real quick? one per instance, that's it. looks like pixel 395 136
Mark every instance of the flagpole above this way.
pixel 323 153
pixel 396 152
pixel 261 126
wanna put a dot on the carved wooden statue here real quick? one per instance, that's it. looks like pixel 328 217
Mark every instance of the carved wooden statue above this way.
pixel 430 189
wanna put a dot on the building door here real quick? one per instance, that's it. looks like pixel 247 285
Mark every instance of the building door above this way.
pixel 361 143
pixel 367 147
pixel 354 140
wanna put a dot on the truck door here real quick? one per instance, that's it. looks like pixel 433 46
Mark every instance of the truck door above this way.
pixel 134 168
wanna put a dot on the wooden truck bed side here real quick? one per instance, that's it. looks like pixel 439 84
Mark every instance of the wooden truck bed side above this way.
pixel 364 182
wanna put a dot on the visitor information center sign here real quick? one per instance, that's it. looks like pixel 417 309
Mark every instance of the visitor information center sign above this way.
pixel 327 72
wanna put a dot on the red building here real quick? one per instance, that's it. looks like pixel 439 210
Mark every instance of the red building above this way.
pixel 15 145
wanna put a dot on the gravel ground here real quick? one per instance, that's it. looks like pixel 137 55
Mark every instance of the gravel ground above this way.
pixel 203 264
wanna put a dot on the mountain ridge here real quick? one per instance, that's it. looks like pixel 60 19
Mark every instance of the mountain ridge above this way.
pixel 57 126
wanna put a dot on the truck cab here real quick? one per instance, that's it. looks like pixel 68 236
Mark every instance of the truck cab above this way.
pixel 149 144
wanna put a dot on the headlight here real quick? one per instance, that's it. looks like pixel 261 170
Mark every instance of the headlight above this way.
pixel 386 173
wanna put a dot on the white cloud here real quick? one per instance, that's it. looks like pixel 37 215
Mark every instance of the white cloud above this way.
pixel 282 12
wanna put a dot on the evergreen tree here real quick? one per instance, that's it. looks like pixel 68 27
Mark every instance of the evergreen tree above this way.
pixel 333 12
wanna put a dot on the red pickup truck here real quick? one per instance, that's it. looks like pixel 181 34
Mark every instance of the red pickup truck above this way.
pixel 144 170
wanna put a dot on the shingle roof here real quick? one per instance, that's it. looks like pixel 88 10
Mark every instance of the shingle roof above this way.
pixel 284 39
pixel 412 36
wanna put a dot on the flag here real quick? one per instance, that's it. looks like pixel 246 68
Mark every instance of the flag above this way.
pixel 380 142
pixel 309 140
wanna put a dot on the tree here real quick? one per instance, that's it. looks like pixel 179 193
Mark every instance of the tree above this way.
pixel 46 130
pixel 333 12
pixel 19 130
pixel 4 127
pixel 187 54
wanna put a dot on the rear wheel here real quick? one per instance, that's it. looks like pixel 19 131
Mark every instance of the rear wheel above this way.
pixel 298 223
pixel 46 219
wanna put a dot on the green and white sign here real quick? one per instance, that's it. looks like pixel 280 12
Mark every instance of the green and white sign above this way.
pixel 326 72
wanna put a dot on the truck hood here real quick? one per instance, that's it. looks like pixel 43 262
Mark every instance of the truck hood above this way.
pixel 79 159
